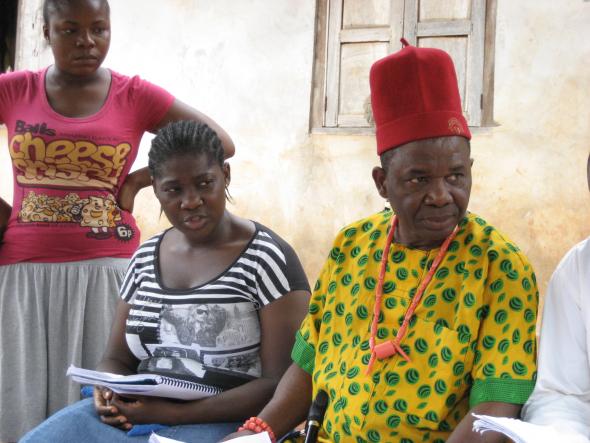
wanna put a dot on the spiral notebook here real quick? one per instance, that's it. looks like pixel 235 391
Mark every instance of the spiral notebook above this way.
pixel 154 385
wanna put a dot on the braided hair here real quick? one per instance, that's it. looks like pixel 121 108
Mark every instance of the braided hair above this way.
pixel 184 138
pixel 55 5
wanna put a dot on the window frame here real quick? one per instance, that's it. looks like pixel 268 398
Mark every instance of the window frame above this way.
pixel 403 22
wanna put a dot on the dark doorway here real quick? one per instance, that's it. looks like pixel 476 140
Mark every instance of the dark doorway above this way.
pixel 8 16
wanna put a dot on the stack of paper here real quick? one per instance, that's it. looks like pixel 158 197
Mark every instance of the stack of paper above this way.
pixel 522 432
pixel 256 438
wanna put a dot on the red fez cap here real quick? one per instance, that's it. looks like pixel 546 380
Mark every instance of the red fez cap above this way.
pixel 414 95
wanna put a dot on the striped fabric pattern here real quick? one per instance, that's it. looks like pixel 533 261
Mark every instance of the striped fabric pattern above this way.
pixel 215 323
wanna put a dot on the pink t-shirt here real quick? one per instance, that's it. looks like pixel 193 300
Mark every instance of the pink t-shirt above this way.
pixel 68 171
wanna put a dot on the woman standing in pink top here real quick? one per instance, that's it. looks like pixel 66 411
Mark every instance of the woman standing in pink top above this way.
pixel 73 133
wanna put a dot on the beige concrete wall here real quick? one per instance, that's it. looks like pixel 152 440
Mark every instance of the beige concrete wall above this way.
pixel 248 64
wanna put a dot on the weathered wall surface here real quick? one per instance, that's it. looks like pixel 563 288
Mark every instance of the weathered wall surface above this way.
pixel 248 64
pixel 531 170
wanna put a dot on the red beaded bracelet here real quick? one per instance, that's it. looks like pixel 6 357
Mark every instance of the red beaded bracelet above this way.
pixel 258 425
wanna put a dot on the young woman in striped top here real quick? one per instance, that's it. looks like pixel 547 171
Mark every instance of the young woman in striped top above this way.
pixel 215 289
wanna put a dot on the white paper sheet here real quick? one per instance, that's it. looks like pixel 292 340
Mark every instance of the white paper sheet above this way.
pixel 522 432
pixel 155 438
pixel 256 438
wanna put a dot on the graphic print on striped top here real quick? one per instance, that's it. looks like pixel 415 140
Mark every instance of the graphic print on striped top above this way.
pixel 215 323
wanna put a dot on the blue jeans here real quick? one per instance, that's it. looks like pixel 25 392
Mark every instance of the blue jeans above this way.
pixel 80 423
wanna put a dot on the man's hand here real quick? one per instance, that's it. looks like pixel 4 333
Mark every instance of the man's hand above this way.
pixel 464 433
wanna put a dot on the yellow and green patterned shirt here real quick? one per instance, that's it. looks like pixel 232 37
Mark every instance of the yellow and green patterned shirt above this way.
pixel 471 339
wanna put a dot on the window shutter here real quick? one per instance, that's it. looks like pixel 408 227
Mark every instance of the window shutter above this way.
pixel 359 32
pixel 458 27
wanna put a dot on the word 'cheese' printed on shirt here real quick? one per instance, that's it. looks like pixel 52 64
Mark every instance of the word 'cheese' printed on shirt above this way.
pixel 471 339
pixel 67 163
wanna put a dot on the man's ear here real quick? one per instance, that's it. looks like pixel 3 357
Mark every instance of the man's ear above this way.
pixel 471 162
pixel 379 177
pixel 46 33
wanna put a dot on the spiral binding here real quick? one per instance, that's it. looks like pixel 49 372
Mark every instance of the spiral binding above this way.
pixel 175 382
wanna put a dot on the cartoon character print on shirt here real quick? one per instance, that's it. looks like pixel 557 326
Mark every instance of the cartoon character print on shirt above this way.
pixel 100 214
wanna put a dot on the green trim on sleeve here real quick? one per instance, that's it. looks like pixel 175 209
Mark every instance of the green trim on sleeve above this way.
pixel 505 390
pixel 303 353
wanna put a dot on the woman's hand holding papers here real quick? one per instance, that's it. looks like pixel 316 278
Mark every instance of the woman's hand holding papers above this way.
pixel 109 413
pixel 148 410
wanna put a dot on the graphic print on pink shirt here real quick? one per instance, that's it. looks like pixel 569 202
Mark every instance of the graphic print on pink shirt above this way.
pixel 68 163
pixel 68 171
pixel 72 165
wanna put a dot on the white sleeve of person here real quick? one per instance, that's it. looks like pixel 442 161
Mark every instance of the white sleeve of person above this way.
pixel 561 397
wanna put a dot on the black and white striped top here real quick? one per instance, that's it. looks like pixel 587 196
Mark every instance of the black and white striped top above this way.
pixel 216 324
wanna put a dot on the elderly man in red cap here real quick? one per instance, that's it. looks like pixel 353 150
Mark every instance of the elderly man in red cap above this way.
pixel 422 314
